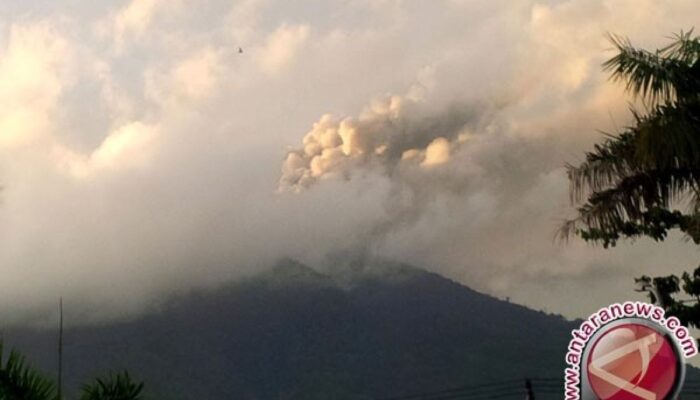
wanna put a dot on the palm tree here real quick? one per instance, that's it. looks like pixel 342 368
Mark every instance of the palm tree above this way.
pixel 115 387
pixel 645 180
pixel 19 381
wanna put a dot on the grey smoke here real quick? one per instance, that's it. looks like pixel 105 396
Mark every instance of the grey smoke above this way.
pixel 140 153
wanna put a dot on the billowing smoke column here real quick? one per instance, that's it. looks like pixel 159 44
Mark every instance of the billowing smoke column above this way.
pixel 391 132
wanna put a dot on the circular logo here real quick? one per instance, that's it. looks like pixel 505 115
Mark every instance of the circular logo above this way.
pixel 634 361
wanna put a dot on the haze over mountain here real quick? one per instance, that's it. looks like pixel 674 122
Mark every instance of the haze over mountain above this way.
pixel 356 332
pixel 142 155
pixel 158 156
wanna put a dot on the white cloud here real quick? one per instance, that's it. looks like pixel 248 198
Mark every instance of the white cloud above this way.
pixel 133 20
pixel 128 175
pixel 130 145
pixel 281 48
pixel 33 73
pixel 437 152
pixel 191 79
pixel 113 96
pixel 242 21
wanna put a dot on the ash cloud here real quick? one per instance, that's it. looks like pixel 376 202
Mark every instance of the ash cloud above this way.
pixel 394 132
pixel 140 151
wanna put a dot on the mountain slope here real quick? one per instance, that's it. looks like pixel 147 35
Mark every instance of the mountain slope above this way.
pixel 293 333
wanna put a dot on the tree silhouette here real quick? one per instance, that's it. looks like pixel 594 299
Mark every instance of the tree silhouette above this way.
pixel 20 381
pixel 645 181
pixel 115 387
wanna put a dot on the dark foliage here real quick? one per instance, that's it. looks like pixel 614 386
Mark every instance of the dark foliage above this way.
pixel 19 381
pixel 115 387
pixel 645 181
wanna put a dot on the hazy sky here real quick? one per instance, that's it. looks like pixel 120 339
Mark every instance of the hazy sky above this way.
pixel 142 154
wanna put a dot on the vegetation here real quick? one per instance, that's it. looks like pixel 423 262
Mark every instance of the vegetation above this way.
pixel 20 381
pixel 117 387
pixel 664 289
pixel 645 181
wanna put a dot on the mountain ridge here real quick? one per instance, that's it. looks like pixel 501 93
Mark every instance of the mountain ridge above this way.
pixel 296 333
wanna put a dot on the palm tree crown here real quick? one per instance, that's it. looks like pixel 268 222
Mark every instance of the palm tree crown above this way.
pixel 19 381
pixel 633 182
pixel 116 387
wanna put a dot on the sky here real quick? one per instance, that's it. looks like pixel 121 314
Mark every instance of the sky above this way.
pixel 143 155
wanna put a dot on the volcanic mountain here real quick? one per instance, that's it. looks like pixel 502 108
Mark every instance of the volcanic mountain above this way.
pixel 367 332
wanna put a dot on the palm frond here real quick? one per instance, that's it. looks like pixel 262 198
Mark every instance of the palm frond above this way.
pixel 667 137
pixel 655 76
pixel 609 162
pixel 115 387
pixel 636 205
pixel 19 381
pixel 685 48
pixel 630 182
